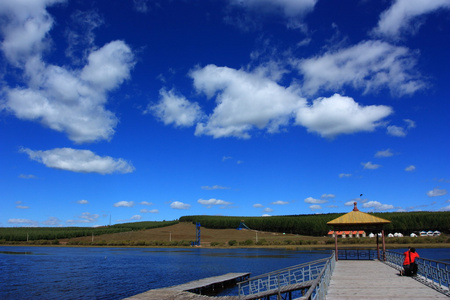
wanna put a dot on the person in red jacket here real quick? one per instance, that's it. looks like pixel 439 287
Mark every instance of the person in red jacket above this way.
pixel 409 265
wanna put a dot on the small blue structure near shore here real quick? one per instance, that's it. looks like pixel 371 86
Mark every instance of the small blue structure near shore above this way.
pixel 242 226
pixel 197 234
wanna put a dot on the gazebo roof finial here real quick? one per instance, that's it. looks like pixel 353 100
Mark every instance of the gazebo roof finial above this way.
pixel 355 208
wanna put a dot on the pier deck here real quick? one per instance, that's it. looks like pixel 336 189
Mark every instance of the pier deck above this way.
pixel 185 291
pixel 375 280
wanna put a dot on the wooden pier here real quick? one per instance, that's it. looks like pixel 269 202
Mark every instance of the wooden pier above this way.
pixel 375 280
pixel 193 290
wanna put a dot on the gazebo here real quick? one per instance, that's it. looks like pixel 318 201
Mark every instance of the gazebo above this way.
pixel 357 220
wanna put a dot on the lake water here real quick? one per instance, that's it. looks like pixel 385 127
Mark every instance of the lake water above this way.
pixel 117 273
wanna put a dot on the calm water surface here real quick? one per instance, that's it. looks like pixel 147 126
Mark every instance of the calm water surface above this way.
pixel 116 273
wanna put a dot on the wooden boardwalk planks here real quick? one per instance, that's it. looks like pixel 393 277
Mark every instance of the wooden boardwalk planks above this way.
pixel 179 292
pixel 375 280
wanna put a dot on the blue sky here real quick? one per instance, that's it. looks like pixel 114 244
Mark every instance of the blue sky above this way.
pixel 151 110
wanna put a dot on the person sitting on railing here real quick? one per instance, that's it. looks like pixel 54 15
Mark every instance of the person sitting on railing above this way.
pixel 409 265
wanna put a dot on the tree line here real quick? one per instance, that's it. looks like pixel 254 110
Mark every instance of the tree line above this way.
pixel 316 225
pixel 55 233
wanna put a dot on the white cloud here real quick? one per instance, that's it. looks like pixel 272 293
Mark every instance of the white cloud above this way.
pixel 315 201
pixel 64 99
pixel 369 165
pixel 24 222
pixel 52 221
pixel 210 202
pixel 384 153
pixel 327 196
pixel 151 211
pixel 22 207
pixel 258 205
pixel 124 204
pixel 245 101
pixel 370 65
pixel 84 161
pixel 344 175
pixel 445 208
pixel 396 131
pixel 292 10
pixel 214 187
pixel 377 205
pixel 179 205
pixel 279 202
pixel 146 203
pixel 268 209
pixel 82 202
pixel 336 115
pixel 315 207
pixel 85 217
pixel 436 192
pixel 133 218
pixel 400 131
pixel 402 16
pixel 410 168
pixel 350 203
pixel 175 109
pixel 27 176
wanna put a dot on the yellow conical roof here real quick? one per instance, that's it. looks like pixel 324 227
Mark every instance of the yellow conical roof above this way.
pixel 357 217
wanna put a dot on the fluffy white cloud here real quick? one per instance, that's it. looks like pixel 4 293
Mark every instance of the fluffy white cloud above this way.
pixel 384 153
pixel 292 10
pixel 369 65
pixel 64 99
pixel 370 166
pixel 85 217
pixel 83 161
pixel 245 101
pixel 24 222
pixel 395 131
pixel 248 101
pixel 52 221
pixel 344 175
pixel 399 131
pixel 82 202
pixel 436 192
pixel 315 207
pixel 279 202
pixel 179 205
pixel 311 200
pixel 124 204
pixel 445 208
pixel 22 207
pixel 268 209
pixel 175 109
pixel 210 202
pixel 410 168
pixel 336 115
pixel 149 211
pixel 402 16
pixel 377 205
pixel 214 187
pixel 258 205
pixel 146 203
pixel 327 196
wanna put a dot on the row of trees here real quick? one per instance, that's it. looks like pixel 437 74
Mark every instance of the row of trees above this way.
pixel 55 233
pixel 316 225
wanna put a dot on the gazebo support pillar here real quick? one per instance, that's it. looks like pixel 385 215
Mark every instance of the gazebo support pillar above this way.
pixel 378 248
pixel 384 245
pixel 335 244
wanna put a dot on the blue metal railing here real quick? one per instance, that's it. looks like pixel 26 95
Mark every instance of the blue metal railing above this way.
pixel 357 254
pixel 313 276
pixel 433 273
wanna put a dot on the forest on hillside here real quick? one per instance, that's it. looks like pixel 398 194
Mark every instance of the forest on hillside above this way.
pixel 54 233
pixel 316 225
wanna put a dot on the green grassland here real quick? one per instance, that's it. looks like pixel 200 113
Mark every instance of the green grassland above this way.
pixel 219 231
